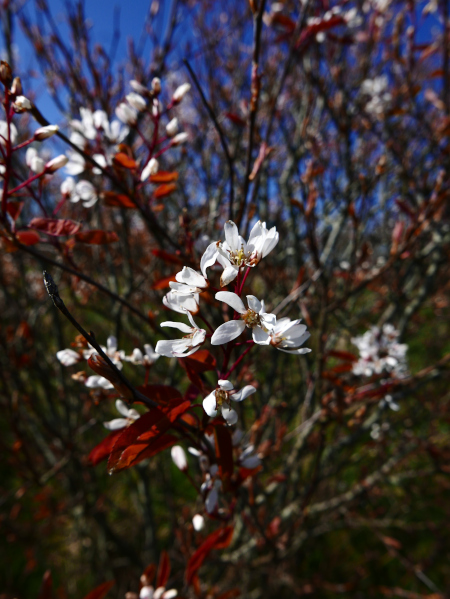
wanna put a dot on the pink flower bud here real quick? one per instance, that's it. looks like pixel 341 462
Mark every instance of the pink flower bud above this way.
pixel 56 163
pixel 45 132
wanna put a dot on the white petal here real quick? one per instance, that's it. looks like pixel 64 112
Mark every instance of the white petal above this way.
pixel 251 462
pixel 188 276
pixel 179 457
pixel 256 234
pixel 230 416
pixel 198 521
pixel 116 424
pixel 232 300
pixel 270 242
pixel 170 594
pixel 260 337
pixel 243 393
pixel 181 326
pixel 199 337
pixel 268 320
pixel 228 275
pixel 165 348
pixel 225 385
pixel 227 332
pixel 212 501
pixel 181 303
pixel 209 404
pixel 254 303
pixel 302 350
pixel 122 407
pixel 232 235
pixel 209 258
pixel 146 593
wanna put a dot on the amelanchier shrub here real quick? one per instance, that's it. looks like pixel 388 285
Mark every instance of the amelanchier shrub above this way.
pixel 263 230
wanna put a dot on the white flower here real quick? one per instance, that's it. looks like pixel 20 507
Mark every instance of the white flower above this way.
pixel 288 335
pixel 45 132
pixel 56 163
pixel 248 459
pixel 198 522
pixel 147 359
pixel 181 303
pixel 380 352
pixel 127 114
pixel 130 415
pixel 34 162
pixel 147 592
pixel 180 92
pixel 188 282
pixel 254 318
pixel 21 104
pixel 138 87
pixel 156 85
pixel 4 132
pixel 110 350
pixel 136 101
pixel 219 399
pixel 68 357
pixel 76 163
pixel 234 253
pixel 83 190
pixel 180 348
pixel 98 382
pixel 151 168
pixel 172 127
pixel 180 138
pixel 179 457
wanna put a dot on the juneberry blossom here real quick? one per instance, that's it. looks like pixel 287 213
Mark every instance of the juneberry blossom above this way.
pixel 379 351
pixel 254 317
pixel 144 359
pixel 82 191
pixel 179 457
pixel 198 522
pixel 34 162
pixel 114 354
pixel 151 168
pixel 129 416
pixel 220 400
pixel 188 282
pixel 180 348
pixel 68 357
pixel 182 302
pixel 234 252
pixel 4 132
pixel 288 335
pixel 147 592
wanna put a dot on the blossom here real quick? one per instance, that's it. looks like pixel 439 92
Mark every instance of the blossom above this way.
pixel 56 163
pixel 288 335
pixel 180 348
pixel 21 104
pixel 234 253
pixel 34 162
pixel 198 522
pixel 68 357
pixel 136 101
pixel 151 168
pixel 45 132
pixel 380 351
pixel 188 282
pixel 172 127
pixel 83 190
pixel 181 302
pixel 219 399
pixel 126 113
pixel 180 92
pixel 180 138
pixel 254 318
pixel 147 359
pixel 147 592
pixel 130 415
pixel 179 457
pixel 4 132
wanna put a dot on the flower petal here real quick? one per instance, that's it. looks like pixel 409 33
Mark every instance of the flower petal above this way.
pixel 209 258
pixel 254 303
pixel 116 424
pixel 228 275
pixel 225 385
pixel 232 235
pixel 227 332
pixel 230 416
pixel 232 300
pixel 243 393
pixel 209 404
pixel 212 501
pixel 122 407
pixel 184 328
pixel 260 337
pixel 188 276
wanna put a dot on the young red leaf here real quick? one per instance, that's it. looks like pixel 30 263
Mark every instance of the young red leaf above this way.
pixel 124 161
pixel 167 257
pixel 164 190
pixel 14 209
pixel 219 539
pixel 162 394
pixel 118 200
pixel 28 237
pixel 163 570
pixel 97 237
pixel 342 355
pixel 104 448
pixel 55 226
pixel 163 177
pixel 224 450
pixel 100 591
pixel 163 283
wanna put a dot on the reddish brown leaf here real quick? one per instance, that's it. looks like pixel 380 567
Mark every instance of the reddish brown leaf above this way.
pixel 104 448
pixel 164 190
pixel 45 591
pixel 28 237
pixel 163 570
pixel 163 177
pixel 124 161
pixel 97 237
pixel 220 539
pixel 55 226
pixel 167 257
pixel 342 355
pixel 118 200
pixel 163 283
pixel 224 450
pixel 14 209
pixel 161 394
pixel 100 591
pixel 201 361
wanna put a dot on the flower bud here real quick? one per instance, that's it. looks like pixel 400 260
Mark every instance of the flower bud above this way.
pixel 16 87
pixel 21 104
pixel 136 101
pixel 180 92
pixel 5 73
pixel 44 132
pixel 198 521
pixel 56 163
pixel 172 127
pixel 138 87
pixel 156 85
pixel 34 161
pixel 150 169
pixel 180 139
pixel 179 457
pixel 126 114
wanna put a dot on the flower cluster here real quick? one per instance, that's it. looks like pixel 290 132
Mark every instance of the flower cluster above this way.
pixel 380 352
